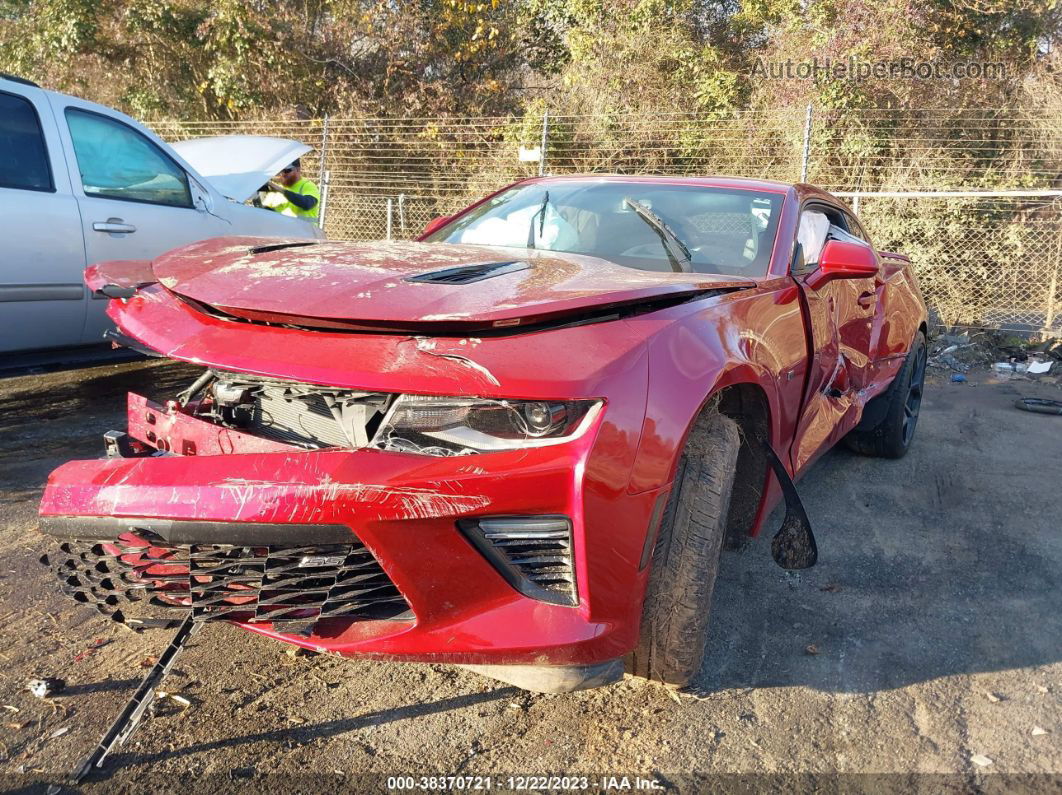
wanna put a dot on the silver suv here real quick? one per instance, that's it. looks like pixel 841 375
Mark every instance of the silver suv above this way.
pixel 81 183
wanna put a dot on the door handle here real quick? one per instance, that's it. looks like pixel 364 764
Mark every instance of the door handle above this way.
pixel 866 299
pixel 114 226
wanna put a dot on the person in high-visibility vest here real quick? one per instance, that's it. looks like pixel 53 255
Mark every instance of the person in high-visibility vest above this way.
pixel 295 195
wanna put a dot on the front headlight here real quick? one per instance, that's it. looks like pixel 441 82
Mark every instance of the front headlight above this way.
pixel 446 426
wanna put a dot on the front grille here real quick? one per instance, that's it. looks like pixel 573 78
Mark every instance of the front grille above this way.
pixel 142 580
pixel 533 553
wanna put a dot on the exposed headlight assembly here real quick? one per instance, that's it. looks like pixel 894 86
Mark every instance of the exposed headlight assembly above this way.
pixel 446 426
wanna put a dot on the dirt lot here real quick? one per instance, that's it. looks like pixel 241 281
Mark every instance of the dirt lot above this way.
pixel 928 636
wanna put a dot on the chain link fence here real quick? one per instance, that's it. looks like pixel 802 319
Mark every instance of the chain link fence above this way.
pixel 984 261
pixel 981 262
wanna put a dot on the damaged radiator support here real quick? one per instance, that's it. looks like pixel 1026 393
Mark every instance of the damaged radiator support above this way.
pixel 305 415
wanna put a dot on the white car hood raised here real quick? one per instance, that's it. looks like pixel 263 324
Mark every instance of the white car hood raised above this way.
pixel 238 165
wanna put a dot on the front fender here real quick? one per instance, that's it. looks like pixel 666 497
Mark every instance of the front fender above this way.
pixel 750 337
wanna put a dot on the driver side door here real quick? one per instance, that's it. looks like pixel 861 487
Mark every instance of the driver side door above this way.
pixel 839 316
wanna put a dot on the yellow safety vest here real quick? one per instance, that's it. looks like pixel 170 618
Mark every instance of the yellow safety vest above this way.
pixel 279 203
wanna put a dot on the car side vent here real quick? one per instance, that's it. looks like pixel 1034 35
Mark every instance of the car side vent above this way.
pixel 466 274
pixel 533 553
pixel 282 246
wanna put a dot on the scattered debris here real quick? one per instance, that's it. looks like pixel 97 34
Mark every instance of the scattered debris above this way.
pixel 149 662
pixel 59 732
pixel 163 697
pixel 1010 367
pixel 674 695
pixel 1039 405
pixel 11 708
pixel 299 651
pixel 980 760
pixel 812 649
pixel 958 378
pixel 1037 731
pixel 830 587
pixel 993 697
pixel 96 644
pixel 46 687
pixel 1008 354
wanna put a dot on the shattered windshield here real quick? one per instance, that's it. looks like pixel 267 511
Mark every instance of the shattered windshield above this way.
pixel 726 231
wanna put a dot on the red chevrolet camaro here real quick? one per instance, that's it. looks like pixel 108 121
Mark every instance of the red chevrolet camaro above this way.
pixel 518 444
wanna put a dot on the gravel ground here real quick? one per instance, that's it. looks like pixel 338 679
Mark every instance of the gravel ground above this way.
pixel 924 651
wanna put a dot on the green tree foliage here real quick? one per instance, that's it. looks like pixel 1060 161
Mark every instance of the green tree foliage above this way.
pixel 232 58
pixel 237 58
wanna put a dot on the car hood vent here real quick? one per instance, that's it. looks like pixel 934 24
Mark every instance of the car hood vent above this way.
pixel 466 274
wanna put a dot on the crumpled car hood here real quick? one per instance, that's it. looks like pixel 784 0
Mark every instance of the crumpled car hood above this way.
pixel 406 284
pixel 238 165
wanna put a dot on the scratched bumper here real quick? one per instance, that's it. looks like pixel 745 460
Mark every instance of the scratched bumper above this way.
pixel 404 509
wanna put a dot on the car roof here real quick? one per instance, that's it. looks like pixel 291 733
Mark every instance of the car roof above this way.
pixel 704 182
pixel 104 109
pixel 16 79
pixel 800 190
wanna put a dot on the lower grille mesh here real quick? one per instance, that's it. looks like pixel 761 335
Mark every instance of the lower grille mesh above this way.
pixel 140 579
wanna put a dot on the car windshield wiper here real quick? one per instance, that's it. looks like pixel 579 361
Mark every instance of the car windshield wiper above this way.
pixel 541 216
pixel 677 252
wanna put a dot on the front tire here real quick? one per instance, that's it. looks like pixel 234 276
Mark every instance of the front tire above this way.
pixel 892 437
pixel 686 556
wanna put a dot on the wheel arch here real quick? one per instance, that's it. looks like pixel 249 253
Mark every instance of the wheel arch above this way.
pixel 747 403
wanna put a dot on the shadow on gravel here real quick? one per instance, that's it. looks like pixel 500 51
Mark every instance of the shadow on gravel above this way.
pixel 948 561
pixel 302 734
pixel 101 687
pixel 48 419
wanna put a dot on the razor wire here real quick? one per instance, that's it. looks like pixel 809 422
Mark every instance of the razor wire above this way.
pixel 990 262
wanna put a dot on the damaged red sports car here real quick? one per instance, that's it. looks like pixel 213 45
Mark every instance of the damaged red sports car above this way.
pixel 518 444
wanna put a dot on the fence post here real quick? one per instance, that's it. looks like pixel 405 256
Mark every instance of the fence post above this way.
pixel 390 209
pixel 324 147
pixel 324 199
pixel 1049 315
pixel 855 204
pixel 542 145
pixel 402 214
pixel 807 146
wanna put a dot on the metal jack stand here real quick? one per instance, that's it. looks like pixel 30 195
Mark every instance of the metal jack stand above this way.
pixel 129 718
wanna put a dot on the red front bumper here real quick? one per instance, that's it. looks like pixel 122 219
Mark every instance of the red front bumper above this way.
pixel 404 509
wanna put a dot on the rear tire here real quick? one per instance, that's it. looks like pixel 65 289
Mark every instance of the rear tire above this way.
pixel 686 556
pixel 892 437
